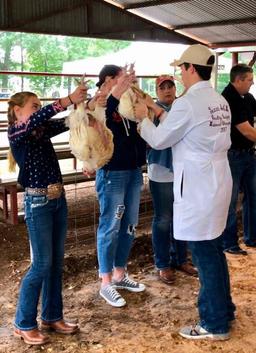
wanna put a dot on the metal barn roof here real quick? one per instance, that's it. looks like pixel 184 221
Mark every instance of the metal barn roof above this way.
pixel 85 18
pixel 217 23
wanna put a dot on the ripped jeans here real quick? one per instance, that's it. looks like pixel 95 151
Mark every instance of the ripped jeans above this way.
pixel 119 199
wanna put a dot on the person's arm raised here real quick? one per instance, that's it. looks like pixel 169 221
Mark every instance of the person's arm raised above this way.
pixel 123 83
pixel 76 97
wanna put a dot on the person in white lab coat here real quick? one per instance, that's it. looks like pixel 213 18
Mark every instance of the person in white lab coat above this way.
pixel 169 253
pixel 198 130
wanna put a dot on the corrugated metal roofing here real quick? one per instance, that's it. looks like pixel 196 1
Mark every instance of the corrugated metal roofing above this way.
pixel 217 23
pixel 214 22
pixel 86 18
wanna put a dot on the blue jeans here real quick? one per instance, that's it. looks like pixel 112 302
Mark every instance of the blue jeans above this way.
pixel 119 199
pixel 47 226
pixel 215 304
pixel 243 169
pixel 168 252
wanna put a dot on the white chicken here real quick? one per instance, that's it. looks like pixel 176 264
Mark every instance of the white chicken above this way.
pixel 90 140
pixel 127 101
pixel 130 97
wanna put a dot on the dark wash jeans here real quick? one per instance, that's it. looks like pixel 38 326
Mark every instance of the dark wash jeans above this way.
pixel 47 226
pixel 215 304
pixel 243 169
pixel 168 252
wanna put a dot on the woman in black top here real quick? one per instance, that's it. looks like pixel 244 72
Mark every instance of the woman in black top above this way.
pixel 118 185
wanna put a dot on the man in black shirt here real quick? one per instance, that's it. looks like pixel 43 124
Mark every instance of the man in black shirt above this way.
pixel 241 157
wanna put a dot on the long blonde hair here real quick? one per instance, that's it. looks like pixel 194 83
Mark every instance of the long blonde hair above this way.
pixel 19 99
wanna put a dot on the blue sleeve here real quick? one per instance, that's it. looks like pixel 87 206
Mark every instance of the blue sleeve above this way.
pixel 55 127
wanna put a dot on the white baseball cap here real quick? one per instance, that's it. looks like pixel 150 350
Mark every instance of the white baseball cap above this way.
pixel 196 54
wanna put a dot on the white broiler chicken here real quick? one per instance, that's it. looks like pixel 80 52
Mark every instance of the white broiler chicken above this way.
pixel 130 97
pixel 90 140
pixel 127 101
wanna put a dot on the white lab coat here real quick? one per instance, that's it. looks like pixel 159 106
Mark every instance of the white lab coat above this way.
pixel 198 130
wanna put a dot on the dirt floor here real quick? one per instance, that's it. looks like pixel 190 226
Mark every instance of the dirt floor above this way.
pixel 150 321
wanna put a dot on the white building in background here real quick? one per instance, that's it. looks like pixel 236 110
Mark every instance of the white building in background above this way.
pixel 149 59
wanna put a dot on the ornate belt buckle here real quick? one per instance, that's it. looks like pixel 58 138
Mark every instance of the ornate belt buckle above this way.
pixel 54 191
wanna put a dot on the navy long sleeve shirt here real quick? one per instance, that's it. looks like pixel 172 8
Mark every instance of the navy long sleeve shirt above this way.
pixel 33 150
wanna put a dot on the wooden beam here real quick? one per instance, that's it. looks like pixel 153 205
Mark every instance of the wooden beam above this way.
pixel 231 44
pixel 142 4
pixel 217 23
pixel 137 32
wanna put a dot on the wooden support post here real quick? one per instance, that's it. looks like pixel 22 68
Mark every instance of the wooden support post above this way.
pixel 13 216
pixel 234 59
pixel 10 209
pixel 5 204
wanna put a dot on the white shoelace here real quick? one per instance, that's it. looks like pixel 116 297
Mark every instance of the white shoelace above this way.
pixel 129 282
pixel 113 293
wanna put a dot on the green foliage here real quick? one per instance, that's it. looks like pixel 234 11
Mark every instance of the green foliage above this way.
pixel 45 53
pixel 223 80
pixel 7 41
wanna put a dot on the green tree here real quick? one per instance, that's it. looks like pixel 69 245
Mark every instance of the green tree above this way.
pixel 43 54
pixel 46 53
pixel 7 42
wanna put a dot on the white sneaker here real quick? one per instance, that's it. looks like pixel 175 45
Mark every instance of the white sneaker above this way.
pixel 197 332
pixel 129 284
pixel 112 297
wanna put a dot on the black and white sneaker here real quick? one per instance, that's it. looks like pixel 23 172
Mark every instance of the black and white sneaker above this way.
pixel 112 297
pixel 129 284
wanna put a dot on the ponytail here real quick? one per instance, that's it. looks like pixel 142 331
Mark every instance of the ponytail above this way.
pixel 11 162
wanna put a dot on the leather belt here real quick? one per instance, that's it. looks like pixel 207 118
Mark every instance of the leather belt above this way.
pixel 53 191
